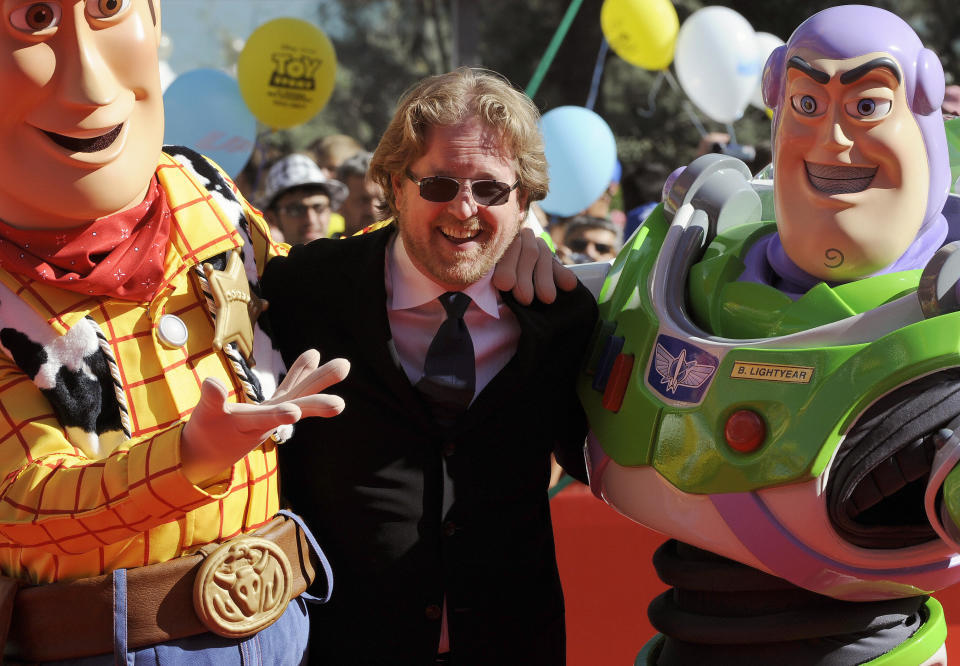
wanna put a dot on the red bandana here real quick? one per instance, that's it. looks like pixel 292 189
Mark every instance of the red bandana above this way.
pixel 120 255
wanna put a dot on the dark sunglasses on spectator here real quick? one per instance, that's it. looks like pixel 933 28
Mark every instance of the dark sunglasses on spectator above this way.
pixel 440 189
pixel 581 244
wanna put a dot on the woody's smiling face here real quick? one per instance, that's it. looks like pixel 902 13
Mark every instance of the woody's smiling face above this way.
pixel 81 125
pixel 850 165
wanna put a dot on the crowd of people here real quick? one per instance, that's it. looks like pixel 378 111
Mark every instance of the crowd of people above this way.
pixel 303 201
pixel 325 191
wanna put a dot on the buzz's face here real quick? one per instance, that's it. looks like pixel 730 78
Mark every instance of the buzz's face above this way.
pixel 81 124
pixel 850 165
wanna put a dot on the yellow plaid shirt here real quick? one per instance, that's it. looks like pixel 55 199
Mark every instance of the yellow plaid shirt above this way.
pixel 64 515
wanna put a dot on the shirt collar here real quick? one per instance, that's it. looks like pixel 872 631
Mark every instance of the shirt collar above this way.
pixel 410 288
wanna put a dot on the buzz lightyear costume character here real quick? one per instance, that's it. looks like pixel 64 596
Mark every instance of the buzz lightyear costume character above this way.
pixel 781 397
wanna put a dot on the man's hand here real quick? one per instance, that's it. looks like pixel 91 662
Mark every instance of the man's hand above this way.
pixel 219 433
pixel 529 266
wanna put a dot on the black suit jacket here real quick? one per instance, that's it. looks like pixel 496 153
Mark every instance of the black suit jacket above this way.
pixel 411 513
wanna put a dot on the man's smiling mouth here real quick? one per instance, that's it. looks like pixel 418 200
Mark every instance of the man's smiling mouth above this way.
pixel 460 235
pixel 89 145
pixel 839 179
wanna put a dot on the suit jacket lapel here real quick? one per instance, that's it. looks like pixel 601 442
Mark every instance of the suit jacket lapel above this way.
pixel 367 305
pixel 535 334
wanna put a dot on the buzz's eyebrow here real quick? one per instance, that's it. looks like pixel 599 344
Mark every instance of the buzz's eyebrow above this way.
pixel 798 63
pixel 861 71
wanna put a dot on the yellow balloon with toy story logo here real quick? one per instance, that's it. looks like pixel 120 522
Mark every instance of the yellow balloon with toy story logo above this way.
pixel 286 72
pixel 642 32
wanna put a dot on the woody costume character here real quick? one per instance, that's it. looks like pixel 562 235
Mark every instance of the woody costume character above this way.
pixel 99 370
pixel 138 481
pixel 137 473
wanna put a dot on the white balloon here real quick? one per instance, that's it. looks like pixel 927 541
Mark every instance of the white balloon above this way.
pixel 716 62
pixel 766 43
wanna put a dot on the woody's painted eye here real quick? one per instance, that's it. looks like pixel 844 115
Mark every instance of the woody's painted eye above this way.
pixel 37 17
pixel 106 8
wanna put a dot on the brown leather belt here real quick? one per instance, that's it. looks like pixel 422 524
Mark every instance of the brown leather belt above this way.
pixel 74 619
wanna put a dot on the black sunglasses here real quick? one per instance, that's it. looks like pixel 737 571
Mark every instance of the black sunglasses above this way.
pixel 581 245
pixel 440 189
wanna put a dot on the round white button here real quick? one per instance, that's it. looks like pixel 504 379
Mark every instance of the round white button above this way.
pixel 171 331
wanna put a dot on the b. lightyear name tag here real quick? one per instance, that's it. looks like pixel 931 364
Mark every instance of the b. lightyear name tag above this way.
pixel 771 372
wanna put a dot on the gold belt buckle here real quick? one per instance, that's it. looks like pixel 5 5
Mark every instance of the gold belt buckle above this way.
pixel 242 587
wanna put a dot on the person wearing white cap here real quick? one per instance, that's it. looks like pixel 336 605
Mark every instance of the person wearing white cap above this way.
pixel 299 199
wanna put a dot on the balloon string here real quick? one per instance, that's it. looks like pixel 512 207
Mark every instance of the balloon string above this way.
pixel 732 134
pixel 552 48
pixel 687 106
pixel 652 97
pixel 597 73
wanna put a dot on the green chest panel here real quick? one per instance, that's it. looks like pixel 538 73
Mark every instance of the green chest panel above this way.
pixel 661 394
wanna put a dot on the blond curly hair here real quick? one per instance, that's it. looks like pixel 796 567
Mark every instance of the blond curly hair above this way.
pixel 449 99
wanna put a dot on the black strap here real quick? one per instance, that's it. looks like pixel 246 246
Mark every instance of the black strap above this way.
pixel 724 612
pixel 878 477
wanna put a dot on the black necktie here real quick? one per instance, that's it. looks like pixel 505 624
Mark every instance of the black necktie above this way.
pixel 449 370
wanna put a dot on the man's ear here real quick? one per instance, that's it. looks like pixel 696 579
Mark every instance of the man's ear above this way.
pixel 396 182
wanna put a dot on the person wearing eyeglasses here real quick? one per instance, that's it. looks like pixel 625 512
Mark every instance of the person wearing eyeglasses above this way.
pixel 430 496
pixel 589 239
pixel 299 199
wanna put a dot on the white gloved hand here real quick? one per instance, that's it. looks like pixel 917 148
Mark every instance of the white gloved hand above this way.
pixel 219 433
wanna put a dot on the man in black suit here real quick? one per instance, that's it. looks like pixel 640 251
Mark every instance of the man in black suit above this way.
pixel 429 492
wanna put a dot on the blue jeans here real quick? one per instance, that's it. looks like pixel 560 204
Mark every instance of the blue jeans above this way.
pixel 283 643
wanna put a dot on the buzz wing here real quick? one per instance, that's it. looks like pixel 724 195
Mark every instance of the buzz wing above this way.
pixel 696 374
pixel 662 360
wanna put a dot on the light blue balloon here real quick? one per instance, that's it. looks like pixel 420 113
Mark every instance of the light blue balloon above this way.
pixel 204 111
pixel 581 156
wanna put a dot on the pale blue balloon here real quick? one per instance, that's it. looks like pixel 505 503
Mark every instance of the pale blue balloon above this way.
pixel 205 111
pixel 581 156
